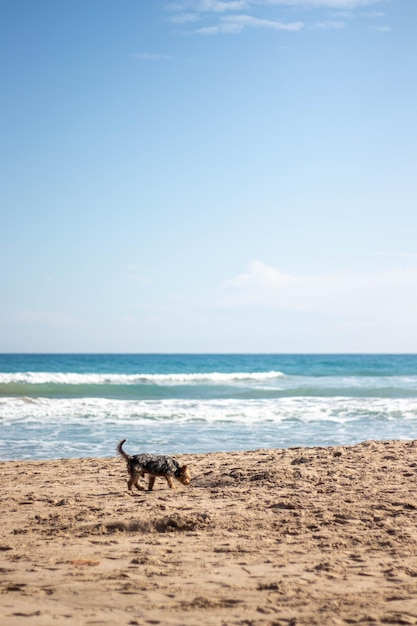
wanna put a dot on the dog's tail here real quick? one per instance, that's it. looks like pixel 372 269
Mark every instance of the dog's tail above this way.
pixel 121 451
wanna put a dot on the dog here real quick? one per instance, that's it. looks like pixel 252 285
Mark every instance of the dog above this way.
pixel 154 465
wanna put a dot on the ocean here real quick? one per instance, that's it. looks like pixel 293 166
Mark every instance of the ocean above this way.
pixel 81 405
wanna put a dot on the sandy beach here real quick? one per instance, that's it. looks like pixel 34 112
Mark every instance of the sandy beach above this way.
pixel 267 537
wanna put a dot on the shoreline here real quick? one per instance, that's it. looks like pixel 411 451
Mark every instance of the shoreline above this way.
pixel 320 535
pixel 196 455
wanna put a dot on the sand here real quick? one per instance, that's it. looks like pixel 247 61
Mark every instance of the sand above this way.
pixel 269 537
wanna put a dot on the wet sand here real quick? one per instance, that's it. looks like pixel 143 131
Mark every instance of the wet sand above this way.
pixel 324 536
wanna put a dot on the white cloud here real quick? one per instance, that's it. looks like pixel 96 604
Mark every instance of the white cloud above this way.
pixel 237 23
pixel 208 6
pixel 383 295
pixel 382 29
pixel 323 4
pixel 343 15
pixel 227 17
pixel 220 7
pixel 191 11
pixel 222 28
pixel 185 18
pixel 254 22
pixel 261 275
pixel 374 14
pixel 329 25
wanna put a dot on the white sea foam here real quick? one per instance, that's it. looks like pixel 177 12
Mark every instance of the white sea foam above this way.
pixel 72 378
pixel 272 382
pixel 277 410
pixel 55 428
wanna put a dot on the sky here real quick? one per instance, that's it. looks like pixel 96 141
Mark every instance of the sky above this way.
pixel 208 176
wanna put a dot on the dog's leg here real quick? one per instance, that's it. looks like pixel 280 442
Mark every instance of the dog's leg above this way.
pixel 170 482
pixel 132 481
pixel 151 482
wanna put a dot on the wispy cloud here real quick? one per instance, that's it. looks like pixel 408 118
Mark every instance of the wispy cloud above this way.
pixel 237 23
pixel 387 293
pixel 329 25
pixel 208 6
pixel 326 4
pixel 235 16
pixel 218 6
pixel 343 15
pixel 381 29
pixel 373 14
pixel 221 7
pixel 185 18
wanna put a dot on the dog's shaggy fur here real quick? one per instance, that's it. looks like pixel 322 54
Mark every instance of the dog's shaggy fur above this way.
pixel 154 465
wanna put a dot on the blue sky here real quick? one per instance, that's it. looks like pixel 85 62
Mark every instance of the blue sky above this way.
pixel 208 176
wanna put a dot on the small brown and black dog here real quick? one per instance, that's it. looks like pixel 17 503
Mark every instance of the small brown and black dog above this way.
pixel 154 465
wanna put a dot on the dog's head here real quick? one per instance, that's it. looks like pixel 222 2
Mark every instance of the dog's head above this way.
pixel 183 475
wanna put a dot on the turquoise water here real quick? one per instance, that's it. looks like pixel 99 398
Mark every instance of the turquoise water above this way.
pixel 54 406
